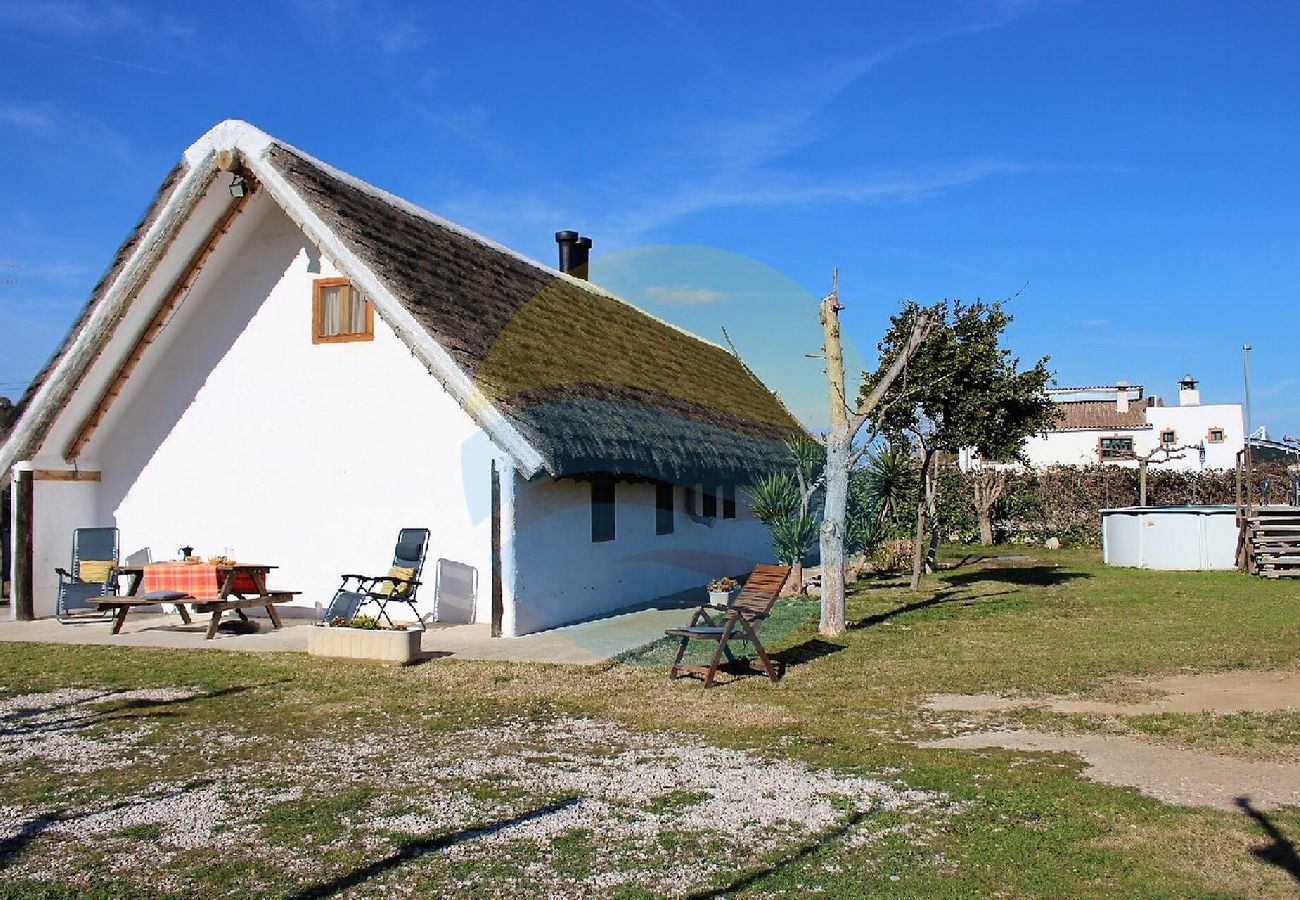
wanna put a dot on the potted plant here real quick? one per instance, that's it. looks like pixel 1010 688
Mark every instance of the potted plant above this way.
pixel 722 591
pixel 363 637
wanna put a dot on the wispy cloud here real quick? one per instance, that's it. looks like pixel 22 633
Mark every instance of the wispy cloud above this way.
pixel 748 160
pixel 47 122
pixel 683 295
pixel 68 17
pixel 392 29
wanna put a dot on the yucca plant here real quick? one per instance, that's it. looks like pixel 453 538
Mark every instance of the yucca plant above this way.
pixel 773 497
pixel 793 538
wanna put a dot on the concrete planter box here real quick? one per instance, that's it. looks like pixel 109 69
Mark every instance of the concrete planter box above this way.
pixel 393 648
pixel 723 598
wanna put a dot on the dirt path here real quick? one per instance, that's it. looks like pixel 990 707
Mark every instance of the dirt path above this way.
pixel 1185 777
pixel 1219 692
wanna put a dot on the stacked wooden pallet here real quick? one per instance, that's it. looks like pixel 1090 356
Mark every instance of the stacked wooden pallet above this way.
pixel 1270 541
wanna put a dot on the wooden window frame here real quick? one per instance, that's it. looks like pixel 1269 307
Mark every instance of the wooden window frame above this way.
pixel 1209 435
pixel 728 501
pixel 604 516
pixel 1101 451
pixel 664 512
pixel 1172 440
pixel 709 507
pixel 318 313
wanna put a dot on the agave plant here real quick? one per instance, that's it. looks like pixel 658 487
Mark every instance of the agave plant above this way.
pixel 793 538
pixel 774 497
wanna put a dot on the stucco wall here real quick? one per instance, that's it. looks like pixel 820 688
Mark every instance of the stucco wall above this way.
pixel 563 577
pixel 1191 424
pixel 246 437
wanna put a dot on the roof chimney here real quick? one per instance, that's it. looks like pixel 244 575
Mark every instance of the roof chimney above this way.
pixel 1188 395
pixel 574 251
pixel 1121 396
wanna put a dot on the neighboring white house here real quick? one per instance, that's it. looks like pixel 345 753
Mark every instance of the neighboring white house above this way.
pixel 289 365
pixel 1114 424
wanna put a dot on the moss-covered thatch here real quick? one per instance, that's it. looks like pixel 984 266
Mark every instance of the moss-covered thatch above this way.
pixel 594 383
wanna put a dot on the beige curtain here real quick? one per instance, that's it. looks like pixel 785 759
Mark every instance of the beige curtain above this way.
pixel 331 314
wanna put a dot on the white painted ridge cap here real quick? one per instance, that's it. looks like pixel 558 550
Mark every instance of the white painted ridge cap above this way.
pixel 249 139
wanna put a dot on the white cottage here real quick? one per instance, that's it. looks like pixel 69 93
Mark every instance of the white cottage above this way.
pixel 288 364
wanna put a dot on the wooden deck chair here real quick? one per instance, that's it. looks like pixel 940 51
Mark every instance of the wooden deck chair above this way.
pixel 397 586
pixel 93 576
pixel 737 622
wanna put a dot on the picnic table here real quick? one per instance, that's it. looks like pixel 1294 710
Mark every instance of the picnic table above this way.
pixel 206 587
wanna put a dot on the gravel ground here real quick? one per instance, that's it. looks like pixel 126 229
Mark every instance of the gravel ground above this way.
pixel 571 807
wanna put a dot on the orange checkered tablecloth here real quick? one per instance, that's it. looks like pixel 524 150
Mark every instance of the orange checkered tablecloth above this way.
pixel 202 581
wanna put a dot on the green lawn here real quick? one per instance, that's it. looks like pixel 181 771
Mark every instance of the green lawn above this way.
pixel 280 775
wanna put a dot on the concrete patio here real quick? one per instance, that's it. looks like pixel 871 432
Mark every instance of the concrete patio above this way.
pixel 584 643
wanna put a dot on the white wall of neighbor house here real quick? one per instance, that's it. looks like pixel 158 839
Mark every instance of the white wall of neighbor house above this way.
pixel 561 576
pixel 240 434
pixel 1189 424
pixel 1193 424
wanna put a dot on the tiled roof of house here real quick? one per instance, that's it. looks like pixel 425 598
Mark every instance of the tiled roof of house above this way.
pixel 1099 415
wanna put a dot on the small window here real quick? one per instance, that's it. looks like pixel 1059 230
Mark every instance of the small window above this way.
pixel 663 508
pixel 340 313
pixel 710 503
pixel 1216 436
pixel 602 509
pixel 1116 448
pixel 691 504
pixel 728 501
pixel 1169 436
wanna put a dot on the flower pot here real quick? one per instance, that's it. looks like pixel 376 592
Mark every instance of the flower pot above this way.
pixel 723 598
pixel 393 648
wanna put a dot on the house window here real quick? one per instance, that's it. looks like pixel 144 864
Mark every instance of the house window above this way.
pixel 728 501
pixel 1169 437
pixel 690 503
pixel 1116 448
pixel 340 312
pixel 602 509
pixel 663 508
pixel 1216 436
pixel 710 503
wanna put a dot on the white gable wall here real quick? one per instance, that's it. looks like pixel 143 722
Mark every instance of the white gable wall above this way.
pixel 239 433
pixel 561 576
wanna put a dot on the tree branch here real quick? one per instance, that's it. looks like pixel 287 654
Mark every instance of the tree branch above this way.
pixel 921 329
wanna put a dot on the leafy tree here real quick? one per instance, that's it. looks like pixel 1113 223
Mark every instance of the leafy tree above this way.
pixel 961 390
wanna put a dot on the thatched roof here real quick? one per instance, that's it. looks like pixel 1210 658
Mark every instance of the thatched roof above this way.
pixel 588 381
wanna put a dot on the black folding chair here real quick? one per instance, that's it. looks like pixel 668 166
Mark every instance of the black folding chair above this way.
pixel 398 586
pixel 93 576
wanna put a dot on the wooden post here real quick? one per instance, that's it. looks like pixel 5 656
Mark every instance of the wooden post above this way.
pixel 23 600
pixel 498 605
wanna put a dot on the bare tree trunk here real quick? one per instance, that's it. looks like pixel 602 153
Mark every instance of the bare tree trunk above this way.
pixel 839 448
pixel 832 536
pixel 990 485
pixel 924 513
pixel 794 584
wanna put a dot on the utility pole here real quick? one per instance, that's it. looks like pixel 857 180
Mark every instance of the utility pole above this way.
pixel 1245 373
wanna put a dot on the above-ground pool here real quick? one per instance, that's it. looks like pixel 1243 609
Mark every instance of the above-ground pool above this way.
pixel 1170 537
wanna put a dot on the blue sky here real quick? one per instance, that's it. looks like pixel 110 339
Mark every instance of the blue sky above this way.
pixel 1133 164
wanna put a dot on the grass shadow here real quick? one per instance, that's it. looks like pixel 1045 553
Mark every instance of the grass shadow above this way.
pixel 413 850
pixel 749 879
pixel 940 598
pixel 1026 576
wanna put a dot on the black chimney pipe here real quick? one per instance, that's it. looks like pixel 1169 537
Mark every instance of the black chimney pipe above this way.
pixel 574 253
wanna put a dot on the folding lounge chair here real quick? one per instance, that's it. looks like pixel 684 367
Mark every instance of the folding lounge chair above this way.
pixel 737 622
pixel 398 586
pixel 93 576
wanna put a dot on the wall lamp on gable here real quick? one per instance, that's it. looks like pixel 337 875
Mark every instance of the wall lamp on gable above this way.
pixel 238 186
